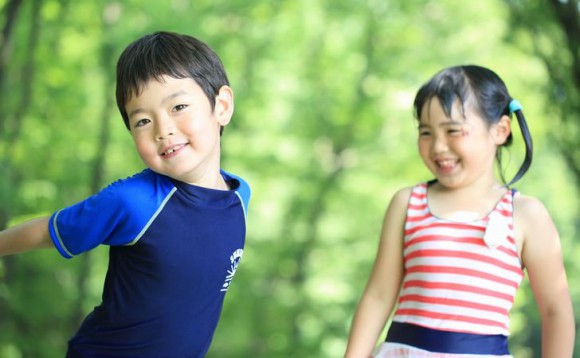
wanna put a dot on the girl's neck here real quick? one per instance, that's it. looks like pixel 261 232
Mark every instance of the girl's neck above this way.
pixel 466 203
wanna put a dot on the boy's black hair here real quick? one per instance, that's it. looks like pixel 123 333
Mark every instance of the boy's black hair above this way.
pixel 488 94
pixel 166 53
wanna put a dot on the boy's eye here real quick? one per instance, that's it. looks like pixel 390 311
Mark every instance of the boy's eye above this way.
pixel 142 122
pixel 179 107
pixel 424 133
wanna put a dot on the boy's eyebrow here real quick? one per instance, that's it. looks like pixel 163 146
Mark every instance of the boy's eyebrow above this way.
pixel 135 111
pixel 164 100
pixel 173 95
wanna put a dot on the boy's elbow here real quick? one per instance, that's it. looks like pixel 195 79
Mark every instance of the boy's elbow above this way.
pixel 46 243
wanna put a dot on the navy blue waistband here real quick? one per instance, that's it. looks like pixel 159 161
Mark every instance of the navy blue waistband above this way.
pixel 447 342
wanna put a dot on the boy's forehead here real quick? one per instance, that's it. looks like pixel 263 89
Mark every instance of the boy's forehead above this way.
pixel 142 84
pixel 139 87
pixel 161 90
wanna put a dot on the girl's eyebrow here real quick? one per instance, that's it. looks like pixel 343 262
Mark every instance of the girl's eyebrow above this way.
pixel 447 123
pixel 451 122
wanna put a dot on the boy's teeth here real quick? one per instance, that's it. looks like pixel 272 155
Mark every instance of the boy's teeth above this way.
pixel 170 151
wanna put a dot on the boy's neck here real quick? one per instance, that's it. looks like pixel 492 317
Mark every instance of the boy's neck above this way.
pixel 216 182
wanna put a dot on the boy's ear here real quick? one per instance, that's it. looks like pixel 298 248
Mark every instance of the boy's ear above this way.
pixel 224 105
pixel 502 130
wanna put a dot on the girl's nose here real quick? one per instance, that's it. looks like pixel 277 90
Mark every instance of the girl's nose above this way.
pixel 439 145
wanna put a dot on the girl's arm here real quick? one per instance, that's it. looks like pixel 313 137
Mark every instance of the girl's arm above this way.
pixel 30 235
pixel 542 257
pixel 383 286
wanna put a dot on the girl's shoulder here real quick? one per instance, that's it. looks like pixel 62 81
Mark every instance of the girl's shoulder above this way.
pixel 529 207
pixel 533 225
pixel 403 195
pixel 401 198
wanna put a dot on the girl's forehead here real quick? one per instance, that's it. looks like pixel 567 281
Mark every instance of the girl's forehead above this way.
pixel 433 112
pixel 459 111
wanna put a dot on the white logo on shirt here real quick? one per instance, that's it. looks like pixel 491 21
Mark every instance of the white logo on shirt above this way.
pixel 234 262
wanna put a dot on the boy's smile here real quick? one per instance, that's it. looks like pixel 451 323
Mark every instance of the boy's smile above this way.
pixel 176 132
pixel 173 150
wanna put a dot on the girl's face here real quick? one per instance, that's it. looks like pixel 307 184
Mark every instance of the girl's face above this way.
pixel 459 150
pixel 176 131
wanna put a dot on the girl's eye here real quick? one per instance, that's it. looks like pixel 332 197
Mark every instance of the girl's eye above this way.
pixel 454 131
pixel 424 133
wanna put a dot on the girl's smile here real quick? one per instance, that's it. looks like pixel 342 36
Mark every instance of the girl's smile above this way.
pixel 459 150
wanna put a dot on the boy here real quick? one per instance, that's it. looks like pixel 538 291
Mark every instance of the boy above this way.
pixel 177 229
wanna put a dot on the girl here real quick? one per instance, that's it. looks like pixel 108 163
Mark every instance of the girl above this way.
pixel 452 251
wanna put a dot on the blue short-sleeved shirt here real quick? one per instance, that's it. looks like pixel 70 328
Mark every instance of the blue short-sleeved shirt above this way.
pixel 174 249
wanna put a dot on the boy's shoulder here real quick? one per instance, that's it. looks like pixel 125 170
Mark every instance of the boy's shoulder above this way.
pixel 139 184
pixel 148 185
pixel 239 185
pixel 145 178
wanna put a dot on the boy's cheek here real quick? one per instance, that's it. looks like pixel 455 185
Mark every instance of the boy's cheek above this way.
pixel 143 148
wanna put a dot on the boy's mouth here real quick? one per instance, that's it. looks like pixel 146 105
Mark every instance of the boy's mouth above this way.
pixel 172 150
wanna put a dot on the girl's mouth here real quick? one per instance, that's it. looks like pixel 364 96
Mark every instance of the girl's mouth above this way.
pixel 446 164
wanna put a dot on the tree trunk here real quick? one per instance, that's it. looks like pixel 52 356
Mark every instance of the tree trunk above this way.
pixel 9 181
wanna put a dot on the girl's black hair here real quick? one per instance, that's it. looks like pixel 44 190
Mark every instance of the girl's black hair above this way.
pixel 490 99
pixel 166 53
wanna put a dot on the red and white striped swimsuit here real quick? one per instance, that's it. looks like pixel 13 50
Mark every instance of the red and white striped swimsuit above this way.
pixel 454 281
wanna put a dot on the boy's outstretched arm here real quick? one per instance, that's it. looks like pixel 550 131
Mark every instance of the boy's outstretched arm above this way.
pixel 27 236
pixel 383 286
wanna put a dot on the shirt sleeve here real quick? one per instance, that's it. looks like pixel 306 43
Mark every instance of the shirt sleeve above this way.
pixel 117 215
pixel 243 190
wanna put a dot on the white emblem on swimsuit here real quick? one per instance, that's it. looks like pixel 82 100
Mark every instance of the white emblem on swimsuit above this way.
pixel 496 230
pixel 234 262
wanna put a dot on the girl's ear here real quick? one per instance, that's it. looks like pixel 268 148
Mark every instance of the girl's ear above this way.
pixel 501 130
pixel 224 105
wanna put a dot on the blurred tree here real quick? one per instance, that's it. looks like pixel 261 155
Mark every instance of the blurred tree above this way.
pixel 10 126
pixel 323 131
pixel 552 30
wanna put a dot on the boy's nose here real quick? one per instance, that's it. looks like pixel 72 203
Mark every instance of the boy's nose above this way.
pixel 165 129
pixel 164 134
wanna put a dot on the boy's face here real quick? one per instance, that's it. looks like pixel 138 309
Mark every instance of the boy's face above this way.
pixel 176 131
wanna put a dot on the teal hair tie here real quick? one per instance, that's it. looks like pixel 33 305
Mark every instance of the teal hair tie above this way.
pixel 515 106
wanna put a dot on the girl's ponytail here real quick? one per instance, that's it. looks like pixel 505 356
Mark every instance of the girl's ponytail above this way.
pixel 516 108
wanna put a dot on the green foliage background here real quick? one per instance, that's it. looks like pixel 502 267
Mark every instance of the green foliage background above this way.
pixel 323 131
